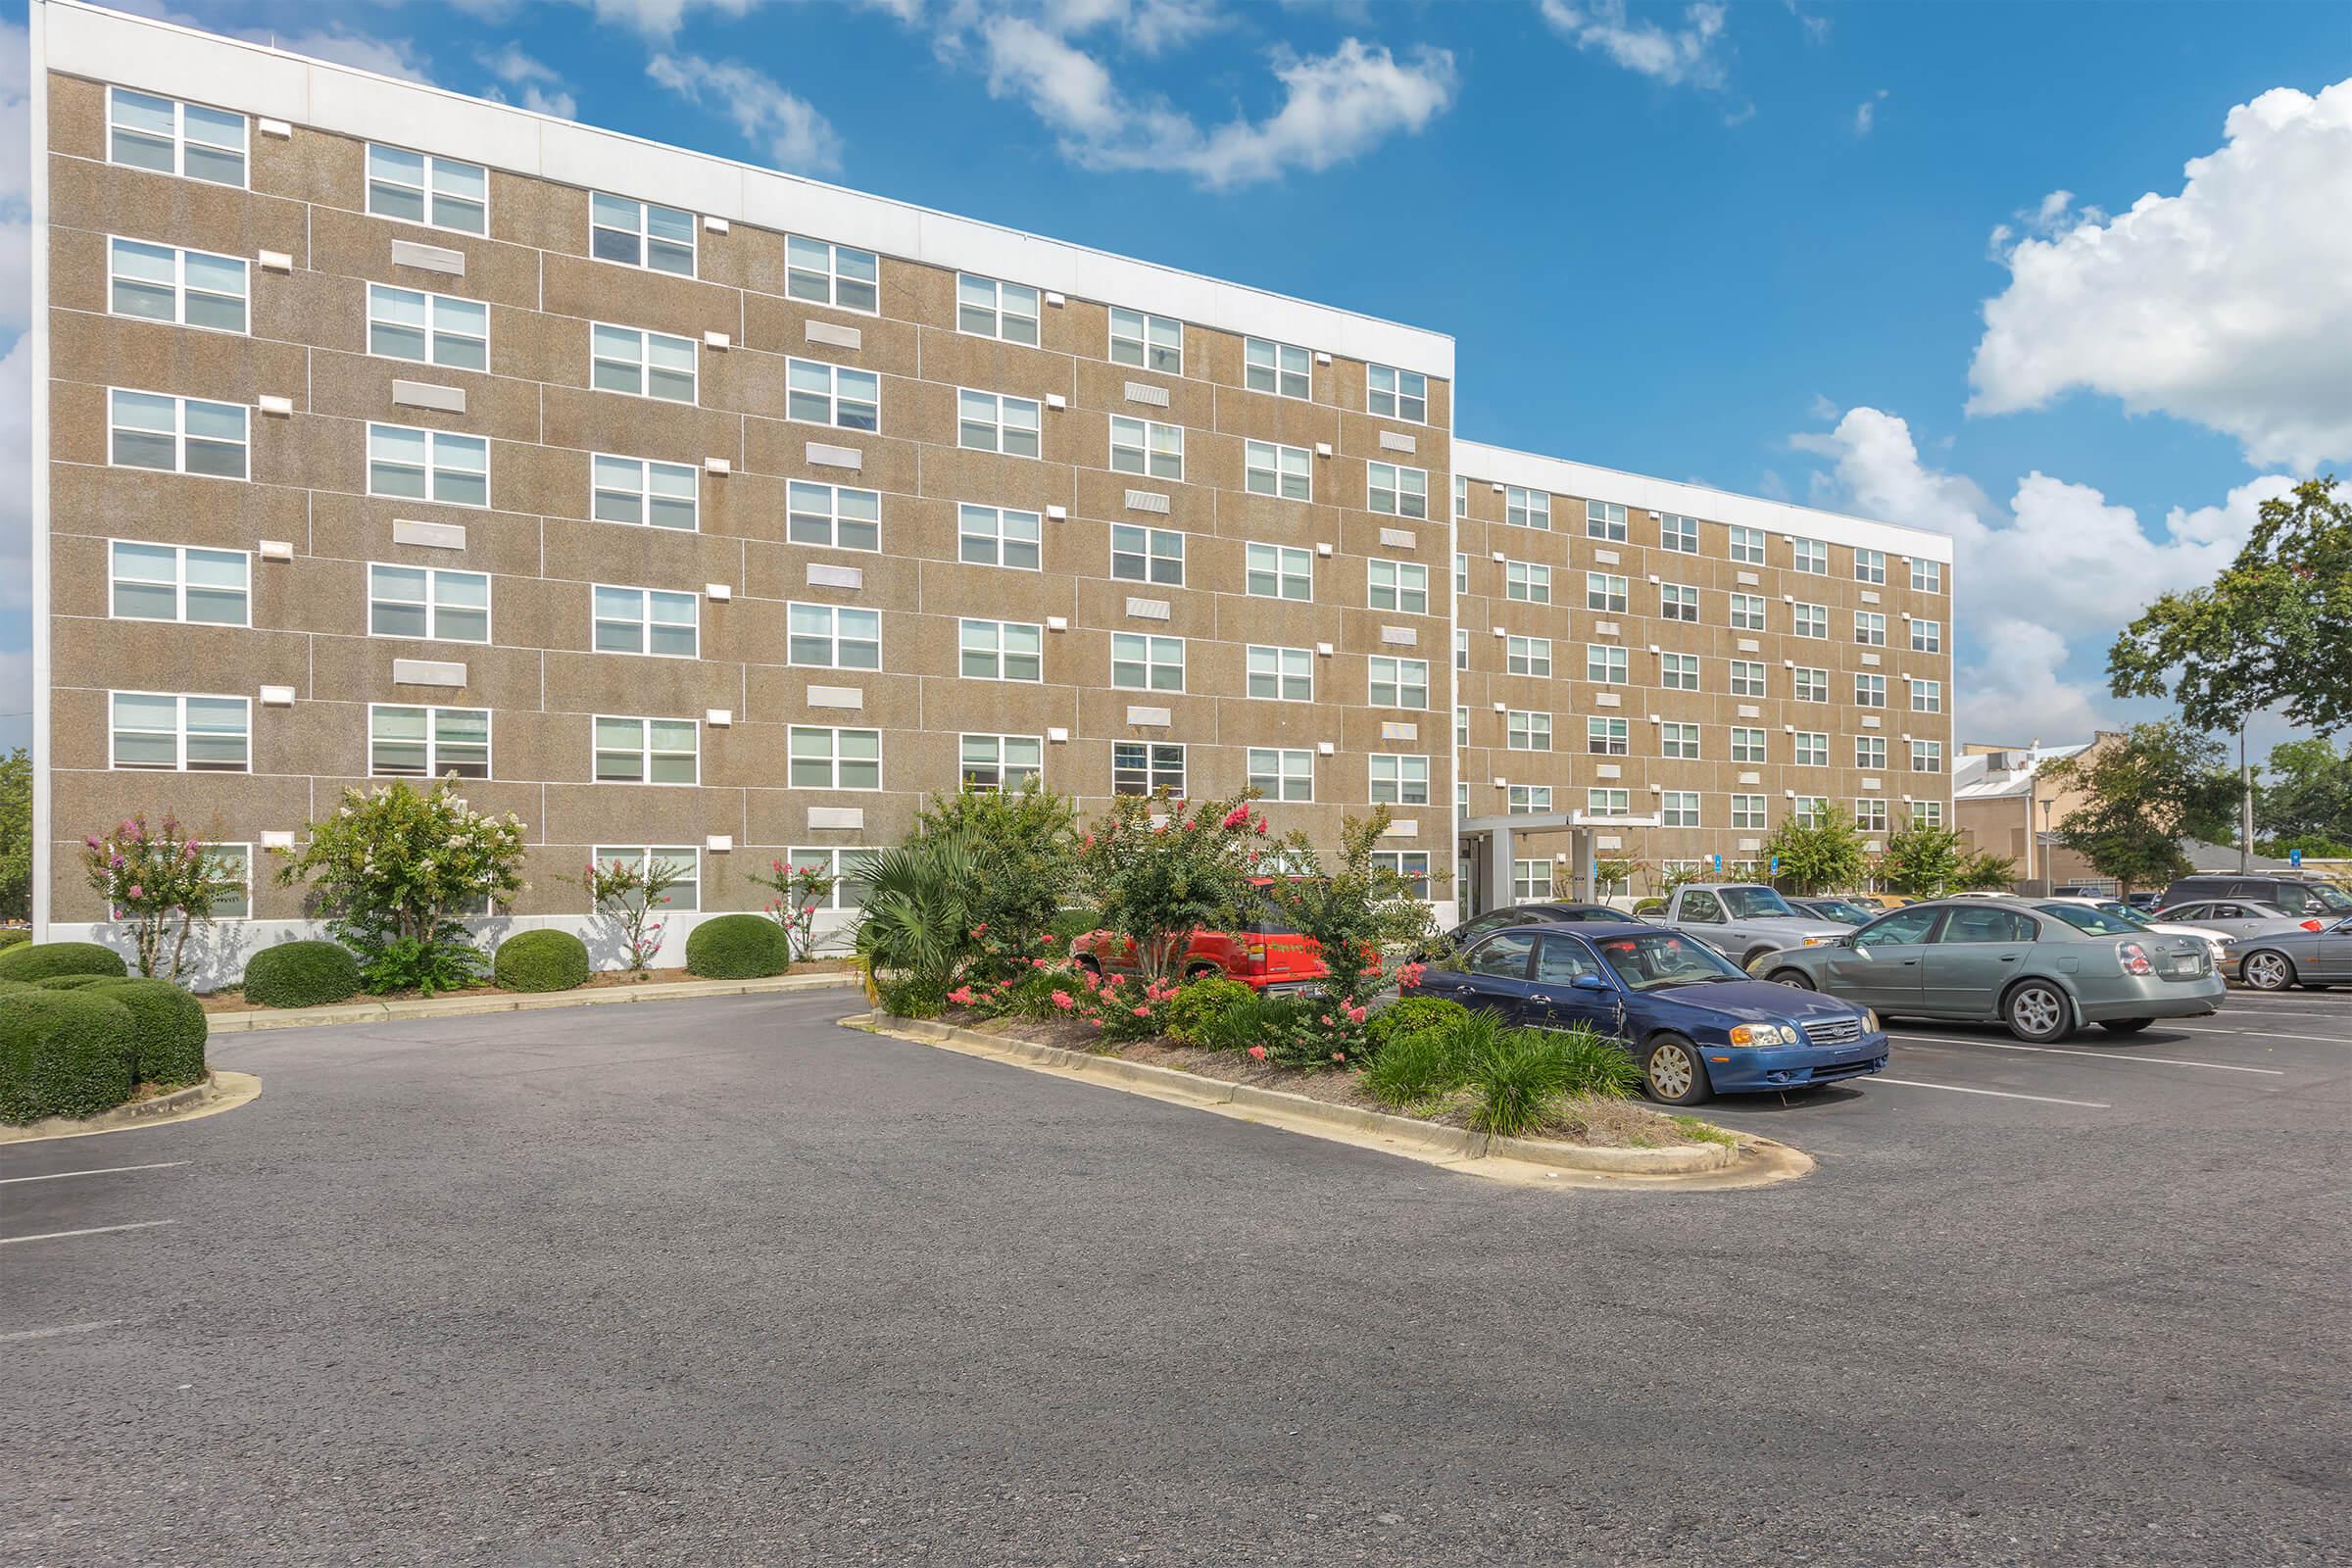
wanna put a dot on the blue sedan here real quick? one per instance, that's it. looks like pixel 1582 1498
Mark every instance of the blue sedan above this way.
pixel 1694 1021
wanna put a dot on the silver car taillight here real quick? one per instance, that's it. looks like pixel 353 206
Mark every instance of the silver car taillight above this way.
pixel 2135 959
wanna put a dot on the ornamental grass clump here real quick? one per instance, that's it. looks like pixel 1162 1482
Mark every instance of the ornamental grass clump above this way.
pixel 1516 1081
pixel 1414 1069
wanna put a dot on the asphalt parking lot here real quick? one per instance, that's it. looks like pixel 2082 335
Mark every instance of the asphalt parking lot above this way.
pixel 720 1283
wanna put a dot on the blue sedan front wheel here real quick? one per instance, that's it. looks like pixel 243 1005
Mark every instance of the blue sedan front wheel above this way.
pixel 1674 1074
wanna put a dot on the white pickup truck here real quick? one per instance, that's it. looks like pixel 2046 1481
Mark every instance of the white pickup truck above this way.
pixel 1745 921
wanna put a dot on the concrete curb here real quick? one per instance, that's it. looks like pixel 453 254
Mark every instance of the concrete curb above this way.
pixel 219 1092
pixel 237 1023
pixel 1522 1161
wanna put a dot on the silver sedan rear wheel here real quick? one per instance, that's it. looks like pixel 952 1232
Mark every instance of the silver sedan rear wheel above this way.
pixel 2039 1012
pixel 2268 971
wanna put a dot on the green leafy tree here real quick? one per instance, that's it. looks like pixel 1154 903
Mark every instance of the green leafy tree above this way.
pixel 2142 796
pixel 2305 794
pixel 1921 858
pixel 2274 630
pixel 160 881
pixel 1817 854
pixel 16 836
pixel 1983 869
pixel 1359 914
pixel 1156 883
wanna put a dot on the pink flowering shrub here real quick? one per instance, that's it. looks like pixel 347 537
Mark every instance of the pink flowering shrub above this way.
pixel 159 880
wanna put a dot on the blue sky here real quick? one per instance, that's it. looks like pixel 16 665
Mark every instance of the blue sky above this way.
pixel 1882 258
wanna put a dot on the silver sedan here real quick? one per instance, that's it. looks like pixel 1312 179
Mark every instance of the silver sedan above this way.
pixel 2297 957
pixel 2239 918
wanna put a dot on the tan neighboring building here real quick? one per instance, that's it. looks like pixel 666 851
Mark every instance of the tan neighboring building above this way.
pixel 2003 802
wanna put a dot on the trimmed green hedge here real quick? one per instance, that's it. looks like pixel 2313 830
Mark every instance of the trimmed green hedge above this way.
pixel 540 960
pixel 74 982
pixel 14 935
pixel 62 1054
pixel 301 974
pixel 171 1029
pixel 38 960
pixel 737 947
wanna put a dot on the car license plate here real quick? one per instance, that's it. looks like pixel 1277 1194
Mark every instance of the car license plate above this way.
pixel 2187 966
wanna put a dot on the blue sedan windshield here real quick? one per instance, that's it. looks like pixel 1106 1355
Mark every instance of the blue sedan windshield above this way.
pixel 1657 959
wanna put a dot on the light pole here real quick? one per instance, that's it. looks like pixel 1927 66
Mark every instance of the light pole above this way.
pixel 2245 804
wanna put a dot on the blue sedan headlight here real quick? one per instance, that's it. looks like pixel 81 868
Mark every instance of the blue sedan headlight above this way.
pixel 1870 1021
pixel 1765 1034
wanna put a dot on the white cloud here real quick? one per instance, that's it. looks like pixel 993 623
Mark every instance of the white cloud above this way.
pixel 2013 690
pixel 541 87
pixel 1149 26
pixel 16 174
pixel 2228 304
pixel 784 125
pixel 662 17
pixel 1866 114
pixel 1688 54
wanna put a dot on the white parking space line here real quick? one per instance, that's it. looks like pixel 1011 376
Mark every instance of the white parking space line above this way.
pixel 2261 1034
pixel 103 1171
pixel 22 1335
pixel 95 1230
pixel 1998 1094
pixel 2099 1055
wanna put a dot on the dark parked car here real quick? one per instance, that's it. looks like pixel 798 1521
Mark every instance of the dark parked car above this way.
pixel 1684 1012
pixel 1469 931
pixel 2291 895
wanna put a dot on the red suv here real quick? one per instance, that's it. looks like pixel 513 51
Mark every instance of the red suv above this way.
pixel 1265 954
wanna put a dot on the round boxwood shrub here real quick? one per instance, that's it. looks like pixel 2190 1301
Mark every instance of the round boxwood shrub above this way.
pixel 74 982
pixel 540 960
pixel 301 974
pixel 737 947
pixel 170 1029
pixel 38 960
pixel 63 1053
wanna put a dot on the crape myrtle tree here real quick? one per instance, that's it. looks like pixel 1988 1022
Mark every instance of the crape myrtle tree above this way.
pixel 1159 868
pixel 1817 854
pixel 1359 914
pixel 1921 858
pixel 161 881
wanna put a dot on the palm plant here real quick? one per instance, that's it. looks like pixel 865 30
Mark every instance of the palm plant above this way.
pixel 918 914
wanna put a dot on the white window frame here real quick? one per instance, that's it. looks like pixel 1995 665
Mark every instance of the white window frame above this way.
pixel 645 751
pixel 1747 545
pixel 1412 865
pixel 1608 735
pixel 1810 810
pixel 1152 765
pixel 1808 684
pixel 640 603
pixel 435 763
pixel 431 308
pixel 429 195
pixel 181 289
pixel 1678 535
pixel 999 536
pixel 180 138
pixel 1871 816
pixel 1927 697
pixel 1750 745
pixel 1276 365
pixel 834 760
pixel 1608 801
pixel 1749 679
pixel 1679 809
pixel 1149 658
pixel 436 579
pixel 1527 582
pixel 1394 394
pixel 1285 559
pixel 1679 740
pixel 1605 520
pixel 1527 655
pixel 1398 677
pixel 1397 778
pixel 978 408
pixel 1139 552
pixel 1809 748
pixel 441 447
pixel 1607 593
pixel 1870 628
pixel 1810 557
pixel 1749 813
pixel 1678 672
pixel 1270 468
pixel 178 582
pixel 1531 880
pixel 1927 576
pixel 850 865
pixel 1610 660
pixel 1523 508
pixel 1144 333
pixel 1870 690
pixel 800 251
pixel 1927 636
pixel 614 350
pixel 179 731
pixel 1750 612
pixel 1870 754
pixel 1525 800
pixel 1927 756
pixel 1288 675
pixel 641 232
pixel 243 442
pixel 603 469
pixel 1870 566
pixel 800 617
pixel 799 499
pixel 1007 304
pixel 1401 586
pixel 1526 729
pixel 1808 620
pixel 1927 814
pixel 846 390
pixel 996 652
pixel 1403 501
pixel 1678 601
pixel 1281 773
pixel 1007 773
pixel 220 857
pixel 1146 449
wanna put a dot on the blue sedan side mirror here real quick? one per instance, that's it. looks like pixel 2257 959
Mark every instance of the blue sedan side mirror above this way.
pixel 1588 982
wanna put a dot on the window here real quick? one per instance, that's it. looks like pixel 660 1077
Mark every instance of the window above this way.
pixel 1001 650
pixel 986 307
pixel 1812 811
pixel 1809 685
pixel 1747 612
pixel 1927 756
pixel 832 274
pixel 1927 576
pixel 1678 533
pixel 1927 814
pixel 1870 815
pixel 639 490
pixel 1526 508
pixel 1531 883
pixel 174 139
pixel 1809 620
pixel 406 323
pixel 1279 572
pixel 1001 761
pixel 1399 780
pixel 1870 691
pixel 1462 495
pixel 1462 574
pixel 1927 636
pixel 1608 803
pixel 1462 734
pixel 1139 445
pixel 682 862
pixel 1138 767
pixel 188 288
pixel 825 515
pixel 1605 663
pixel 1395 394
pixel 1679 809
pixel 1677 602
pixel 1147 555
pixel 1678 740
pixel 832 637
pixel 232 860
pixel 420 602
pixel 440 192
pixel 1398 585
pixel 1870 753
pixel 1748 744
pixel 1527 655
pixel 182 734
pixel 427 742
pixel 999 536
pixel 1870 566
pixel 1269 470
pixel 175 435
pixel 172 582
pixel 1811 554
pixel 1747 677
pixel 851 869
pixel 1812 748
pixel 1606 737
pixel 648 750
pixel 1927 697
pixel 428 465
pixel 1281 674
pixel 1747 812
pixel 1399 492
pixel 987 422
pixel 1527 582
pixel 1605 591
pixel 640 234
pixel 1526 800
pixel 818 393
pixel 649 364
pixel 1678 672
pixel 644 620
pixel 1604 519
pixel 1276 367
pixel 1526 731
pixel 1410 864
pixel 1397 682
pixel 1282 775
pixel 1147 342
pixel 1461 648
pixel 1870 628
pixel 1140 662
pixel 835 759
pixel 1747 544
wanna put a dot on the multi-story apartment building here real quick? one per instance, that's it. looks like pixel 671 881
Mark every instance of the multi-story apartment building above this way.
pixel 693 510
